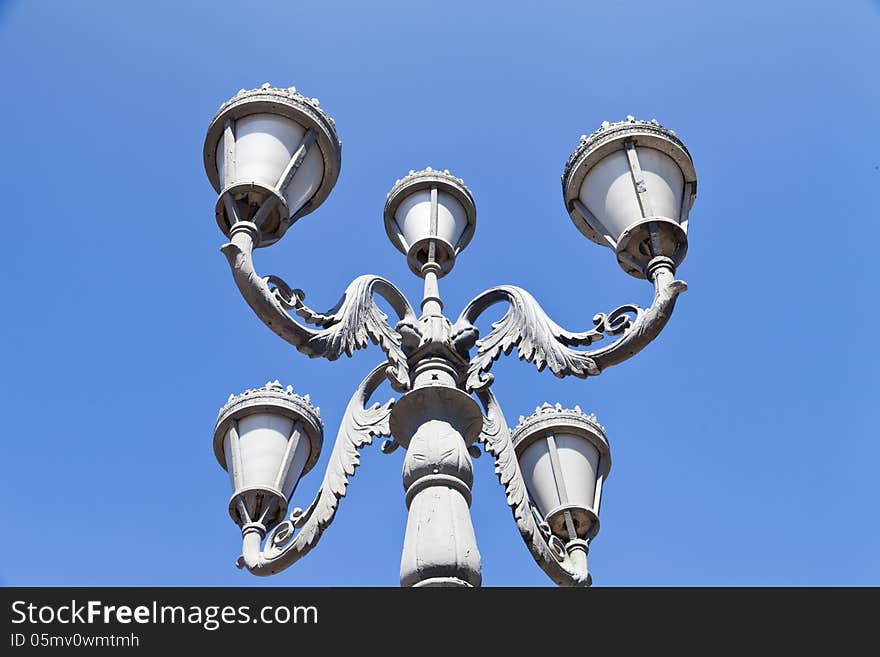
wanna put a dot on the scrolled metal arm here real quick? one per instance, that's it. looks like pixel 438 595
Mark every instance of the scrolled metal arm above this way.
pixel 352 324
pixel 565 564
pixel 359 425
pixel 541 341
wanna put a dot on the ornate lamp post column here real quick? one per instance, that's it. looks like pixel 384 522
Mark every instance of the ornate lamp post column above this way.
pixel 273 156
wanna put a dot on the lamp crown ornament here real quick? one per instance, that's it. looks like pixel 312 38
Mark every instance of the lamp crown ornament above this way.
pixel 273 156
pixel 428 173
pixel 281 94
pixel 608 129
pixel 272 389
pixel 546 409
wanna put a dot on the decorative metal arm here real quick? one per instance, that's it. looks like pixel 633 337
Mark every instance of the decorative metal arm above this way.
pixel 565 564
pixel 351 324
pixel 358 427
pixel 541 341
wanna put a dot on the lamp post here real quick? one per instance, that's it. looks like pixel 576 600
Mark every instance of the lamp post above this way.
pixel 273 156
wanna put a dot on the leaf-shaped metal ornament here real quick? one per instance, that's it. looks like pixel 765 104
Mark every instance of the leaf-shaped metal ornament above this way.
pixel 527 327
pixel 541 341
pixel 352 324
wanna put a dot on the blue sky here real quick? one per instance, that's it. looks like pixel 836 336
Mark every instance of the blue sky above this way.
pixel 744 439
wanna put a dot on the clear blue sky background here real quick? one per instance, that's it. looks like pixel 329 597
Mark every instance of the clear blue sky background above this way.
pixel 744 439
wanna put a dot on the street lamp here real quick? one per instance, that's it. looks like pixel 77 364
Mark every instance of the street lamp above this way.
pixel 273 156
